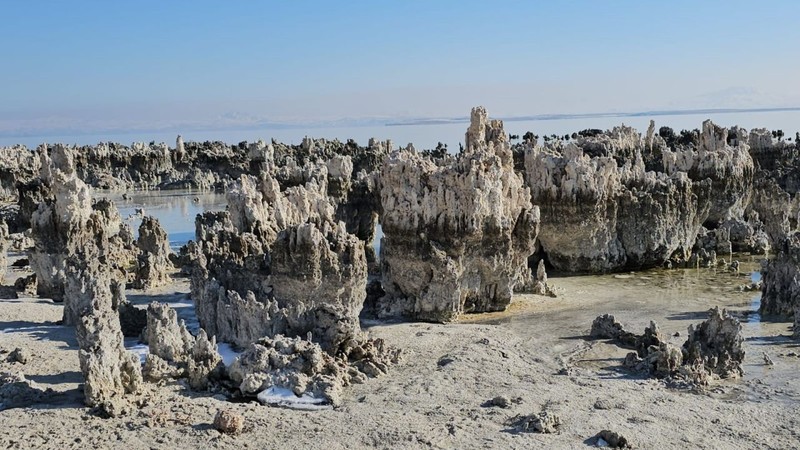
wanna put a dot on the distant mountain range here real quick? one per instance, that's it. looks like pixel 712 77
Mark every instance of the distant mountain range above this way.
pixel 232 122
pixel 674 112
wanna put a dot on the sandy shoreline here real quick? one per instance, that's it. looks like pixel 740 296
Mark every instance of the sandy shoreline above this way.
pixel 534 354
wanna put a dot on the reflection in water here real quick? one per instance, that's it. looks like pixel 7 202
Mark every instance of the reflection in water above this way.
pixel 175 209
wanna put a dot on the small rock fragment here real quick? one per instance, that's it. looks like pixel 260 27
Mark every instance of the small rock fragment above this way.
pixel 26 285
pixel 501 401
pixel 544 422
pixel 19 355
pixel 612 439
pixel 229 422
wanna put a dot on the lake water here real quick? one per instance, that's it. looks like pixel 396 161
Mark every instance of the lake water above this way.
pixel 174 209
pixel 427 136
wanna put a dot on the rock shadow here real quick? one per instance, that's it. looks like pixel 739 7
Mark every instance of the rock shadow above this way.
pixel 43 331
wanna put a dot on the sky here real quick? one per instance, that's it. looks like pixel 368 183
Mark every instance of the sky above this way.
pixel 94 66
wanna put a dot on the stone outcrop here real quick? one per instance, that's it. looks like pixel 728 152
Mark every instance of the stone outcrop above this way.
pixel 712 350
pixel 153 261
pixel 110 372
pixel 780 292
pixel 306 370
pixel 291 363
pixel 458 231
pixel 716 346
pixel 277 263
pixel 176 353
pixel 729 167
pixel 60 230
pixel 319 279
pixel 17 164
pixel 602 211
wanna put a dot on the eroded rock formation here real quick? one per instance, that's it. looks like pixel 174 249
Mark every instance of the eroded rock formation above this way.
pixel 602 211
pixel 457 232
pixel 712 350
pixel 110 372
pixel 277 263
pixel 716 345
pixel 60 230
pixel 306 370
pixel 319 278
pixel 176 353
pixel 780 292
pixel 729 167
pixel 153 261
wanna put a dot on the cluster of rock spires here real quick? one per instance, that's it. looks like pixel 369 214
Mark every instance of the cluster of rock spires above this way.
pixel 618 200
pixel 458 231
pixel 776 201
pixel 283 273
pixel 713 349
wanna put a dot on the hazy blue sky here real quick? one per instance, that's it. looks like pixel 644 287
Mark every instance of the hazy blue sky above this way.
pixel 97 65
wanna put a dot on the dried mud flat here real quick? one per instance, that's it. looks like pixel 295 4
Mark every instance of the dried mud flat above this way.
pixel 535 355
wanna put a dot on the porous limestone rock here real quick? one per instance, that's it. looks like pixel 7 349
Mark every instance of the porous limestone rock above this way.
pixel 602 211
pixel 543 422
pixel 26 285
pixel 716 345
pixel 780 288
pixel 606 326
pixel 228 421
pixel 319 278
pixel 175 353
pixel 612 439
pixel 540 286
pixel 291 363
pixel 457 232
pixel 276 263
pixel 153 261
pixel 305 369
pixel 110 371
pixel 729 167
pixel 60 228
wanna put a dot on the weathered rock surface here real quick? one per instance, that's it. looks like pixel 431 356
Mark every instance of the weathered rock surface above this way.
pixel 175 353
pixel 60 228
pixel 602 211
pixel 729 167
pixel 319 279
pixel 457 232
pixel 544 422
pixel 716 344
pixel 276 263
pixel 19 355
pixel 26 285
pixel 153 261
pixel 109 370
pixel 291 363
pixel 228 421
pixel 713 349
pixel 780 292
pixel 305 369
pixel 612 439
